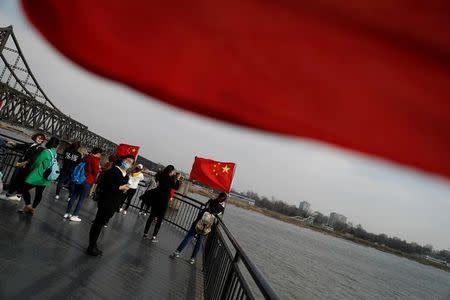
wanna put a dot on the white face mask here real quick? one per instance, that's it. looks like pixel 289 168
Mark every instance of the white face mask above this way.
pixel 124 165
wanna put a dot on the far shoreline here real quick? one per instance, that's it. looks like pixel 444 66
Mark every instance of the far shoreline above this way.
pixel 286 219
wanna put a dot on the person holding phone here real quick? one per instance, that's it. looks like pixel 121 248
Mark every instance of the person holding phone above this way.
pixel 167 180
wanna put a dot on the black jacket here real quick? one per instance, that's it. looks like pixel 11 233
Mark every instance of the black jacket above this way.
pixel 30 152
pixel 110 197
pixel 70 159
pixel 160 195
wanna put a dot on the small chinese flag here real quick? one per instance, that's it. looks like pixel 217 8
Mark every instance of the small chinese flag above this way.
pixel 124 150
pixel 215 174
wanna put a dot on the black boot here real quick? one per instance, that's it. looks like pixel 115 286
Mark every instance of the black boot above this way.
pixel 93 251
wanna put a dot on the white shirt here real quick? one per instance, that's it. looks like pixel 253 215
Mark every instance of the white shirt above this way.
pixel 133 182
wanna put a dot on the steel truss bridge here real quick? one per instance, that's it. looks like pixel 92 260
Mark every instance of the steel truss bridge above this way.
pixel 26 105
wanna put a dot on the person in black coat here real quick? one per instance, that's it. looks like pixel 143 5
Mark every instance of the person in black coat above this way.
pixel 31 150
pixel 111 191
pixel 167 180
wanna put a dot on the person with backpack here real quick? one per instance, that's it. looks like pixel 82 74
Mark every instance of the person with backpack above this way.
pixel 202 225
pixel 135 177
pixel 43 172
pixel 71 158
pixel 110 193
pixel 167 180
pixel 83 176
pixel 23 166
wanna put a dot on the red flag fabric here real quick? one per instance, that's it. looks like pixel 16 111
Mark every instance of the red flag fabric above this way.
pixel 215 174
pixel 368 75
pixel 124 150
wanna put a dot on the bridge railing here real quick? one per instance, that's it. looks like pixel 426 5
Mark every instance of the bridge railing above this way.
pixel 229 272
pixel 8 159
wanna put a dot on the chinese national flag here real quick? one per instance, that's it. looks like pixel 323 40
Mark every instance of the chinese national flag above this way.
pixel 215 174
pixel 373 76
pixel 124 150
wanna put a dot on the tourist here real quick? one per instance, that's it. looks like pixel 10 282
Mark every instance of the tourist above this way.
pixel 202 226
pixel 135 177
pixel 82 184
pixel 37 178
pixel 71 157
pixel 31 150
pixel 167 179
pixel 111 191
pixel 107 166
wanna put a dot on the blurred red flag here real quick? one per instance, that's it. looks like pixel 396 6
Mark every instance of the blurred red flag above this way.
pixel 124 150
pixel 215 174
pixel 373 76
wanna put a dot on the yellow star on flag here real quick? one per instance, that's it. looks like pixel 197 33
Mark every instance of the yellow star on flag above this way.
pixel 225 169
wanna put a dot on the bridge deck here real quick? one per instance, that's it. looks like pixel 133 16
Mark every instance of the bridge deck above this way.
pixel 42 257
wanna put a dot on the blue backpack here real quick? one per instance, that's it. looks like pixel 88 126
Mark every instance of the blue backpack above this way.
pixel 79 173
pixel 52 172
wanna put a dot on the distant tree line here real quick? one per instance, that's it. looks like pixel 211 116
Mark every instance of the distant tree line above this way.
pixel 358 231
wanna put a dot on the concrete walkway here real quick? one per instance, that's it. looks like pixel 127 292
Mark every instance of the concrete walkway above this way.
pixel 42 257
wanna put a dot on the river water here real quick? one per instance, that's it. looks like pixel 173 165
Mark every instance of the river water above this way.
pixel 304 264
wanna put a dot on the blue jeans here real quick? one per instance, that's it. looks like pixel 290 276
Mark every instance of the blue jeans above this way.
pixel 64 179
pixel 191 233
pixel 79 191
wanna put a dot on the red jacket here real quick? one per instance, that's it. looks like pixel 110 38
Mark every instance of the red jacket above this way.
pixel 92 168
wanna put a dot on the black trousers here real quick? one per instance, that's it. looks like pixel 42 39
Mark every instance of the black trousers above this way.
pixel 144 206
pixel 150 219
pixel 104 214
pixel 38 189
pixel 18 180
pixel 130 195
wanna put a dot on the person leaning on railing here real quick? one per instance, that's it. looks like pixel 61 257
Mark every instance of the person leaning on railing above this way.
pixel 202 225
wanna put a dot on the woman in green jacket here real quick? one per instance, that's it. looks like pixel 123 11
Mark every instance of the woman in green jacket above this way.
pixel 36 179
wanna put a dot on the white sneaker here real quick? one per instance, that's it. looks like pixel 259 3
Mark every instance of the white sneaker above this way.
pixel 124 212
pixel 144 214
pixel 75 219
pixel 57 197
pixel 175 254
pixel 3 196
pixel 154 239
pixel 121 209
pixel 192 261
pixel 68 199
pixel 66 216
pixel 15 198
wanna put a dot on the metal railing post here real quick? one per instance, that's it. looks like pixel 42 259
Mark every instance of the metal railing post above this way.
pixel 226 286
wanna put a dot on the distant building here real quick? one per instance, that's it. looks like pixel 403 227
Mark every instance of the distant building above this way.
pixel 304 206
pixel 336 218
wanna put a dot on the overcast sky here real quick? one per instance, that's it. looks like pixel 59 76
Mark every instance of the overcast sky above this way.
pixel 383 197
